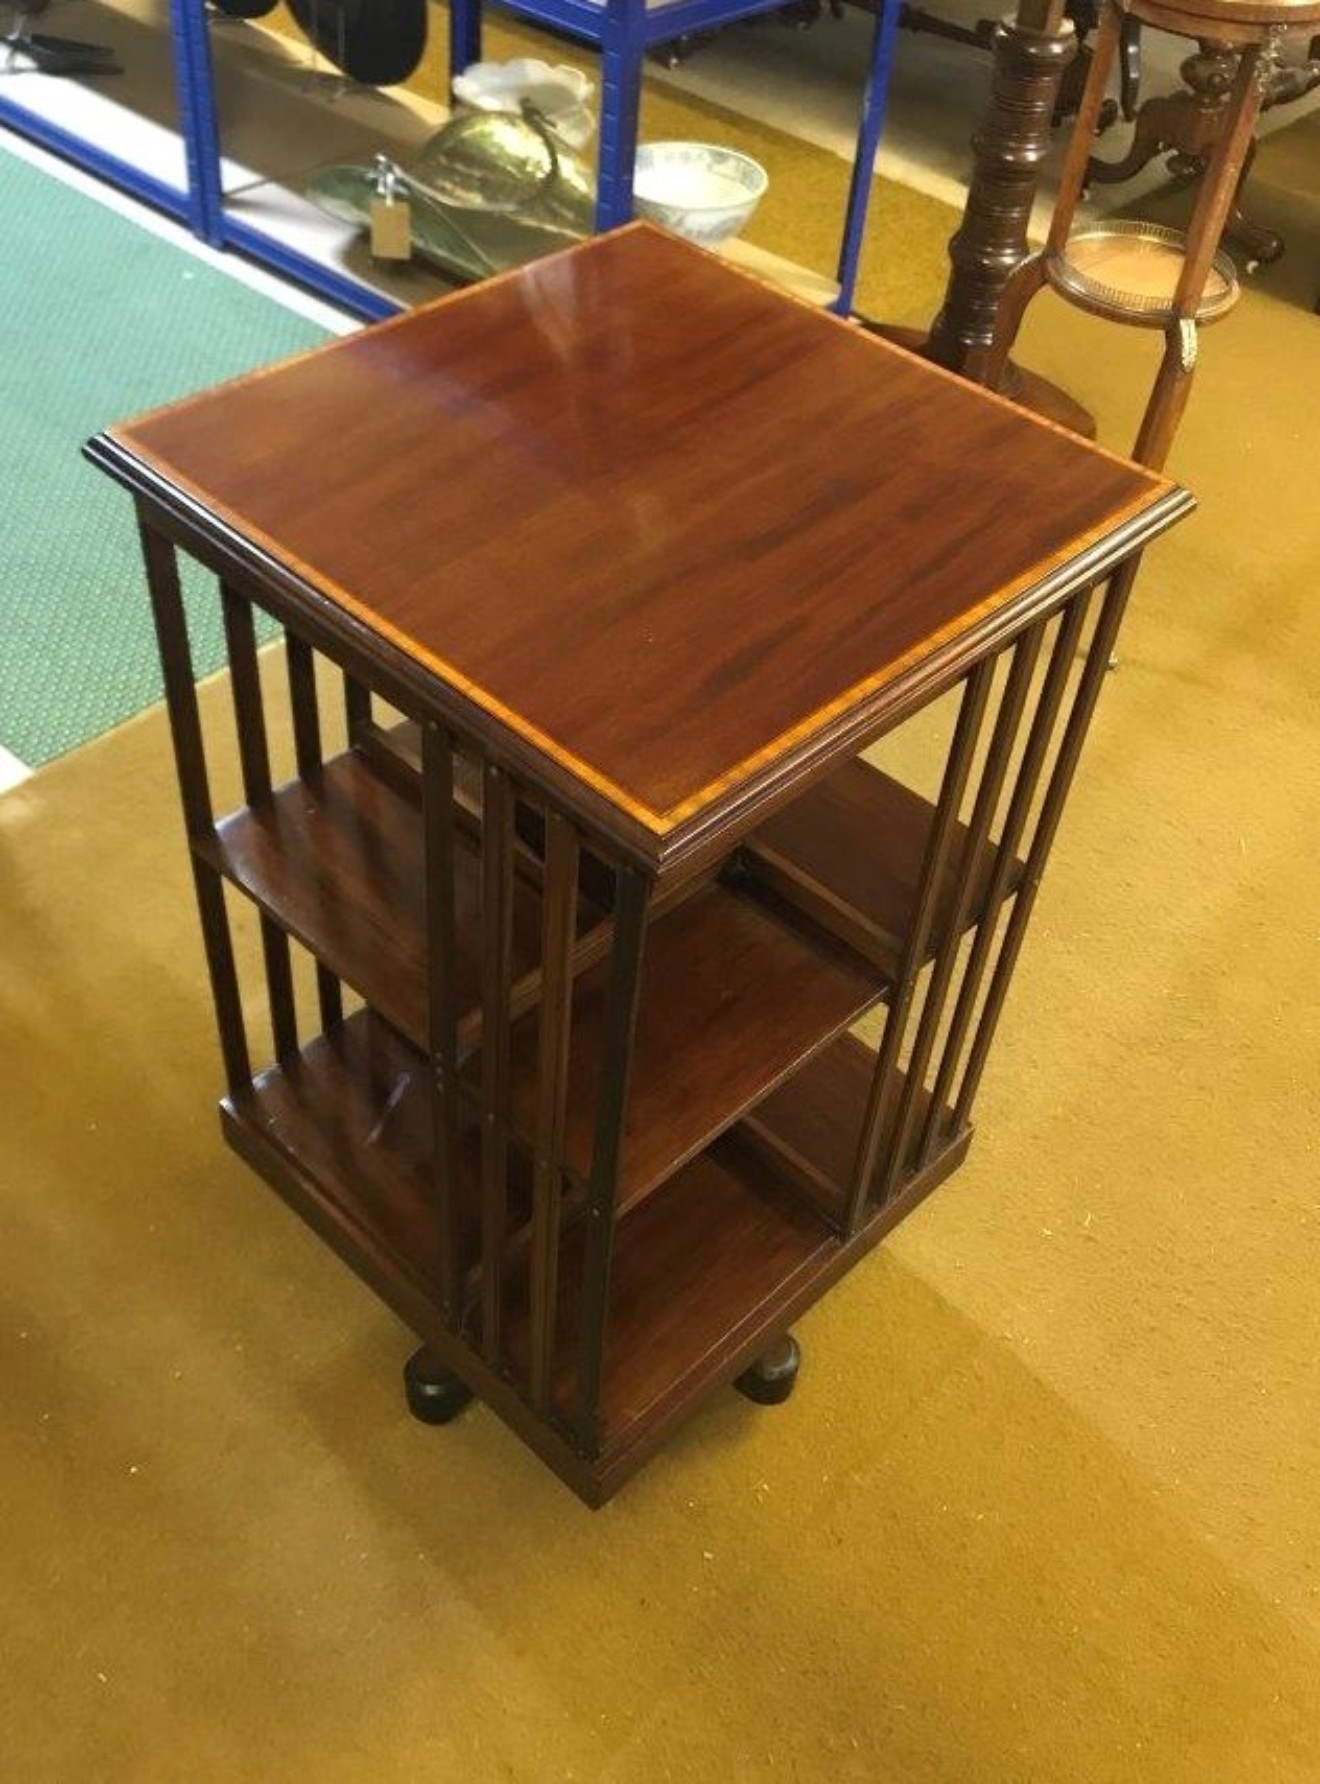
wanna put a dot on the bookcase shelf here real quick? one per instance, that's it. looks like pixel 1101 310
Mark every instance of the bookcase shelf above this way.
pixel 337 861
pixel 753 977
pixel 694 1268
pixel 820 854
pixel 349 1112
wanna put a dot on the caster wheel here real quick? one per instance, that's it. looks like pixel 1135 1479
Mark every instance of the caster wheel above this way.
pixel 434 1395
pixel 773 1376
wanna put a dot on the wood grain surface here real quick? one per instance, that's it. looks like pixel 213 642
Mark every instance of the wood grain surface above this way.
pixel 657 519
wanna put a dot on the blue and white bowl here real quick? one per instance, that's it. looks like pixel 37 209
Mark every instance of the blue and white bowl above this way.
pixel 697 189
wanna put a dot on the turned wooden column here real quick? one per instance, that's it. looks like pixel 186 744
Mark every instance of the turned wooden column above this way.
pixel 1031 52
pixel 1032 48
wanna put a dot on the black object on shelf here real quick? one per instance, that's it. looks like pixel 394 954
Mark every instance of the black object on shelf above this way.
pixel 377 42
pixel 37 52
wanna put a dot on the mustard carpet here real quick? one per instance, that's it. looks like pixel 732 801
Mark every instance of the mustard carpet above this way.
pixel 1043 1509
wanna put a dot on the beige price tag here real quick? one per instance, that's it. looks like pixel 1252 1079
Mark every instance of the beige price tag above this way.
pixel 391 229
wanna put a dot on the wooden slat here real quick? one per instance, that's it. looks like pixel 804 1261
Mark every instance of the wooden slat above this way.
pixel 305 707
pixel 496 802
pixel 254 761
pixel 442 1009
pixel 357 707
pixel 878 1123
pixel 194 791
pixel 1078 723
pixel 965 894
pixel 632 893
pixel 1002 884
pixel 552 1089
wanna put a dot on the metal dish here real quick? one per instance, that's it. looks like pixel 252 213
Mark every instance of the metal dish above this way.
pixel 489 191
pixel 1130 270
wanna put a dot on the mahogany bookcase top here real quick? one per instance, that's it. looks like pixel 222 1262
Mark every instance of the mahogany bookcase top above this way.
pixel 669 539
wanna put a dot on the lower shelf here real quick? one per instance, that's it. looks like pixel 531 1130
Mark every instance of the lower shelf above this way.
pixel 706 1271
pixel 349 1118
pixel 700 1270
pixel 1130 271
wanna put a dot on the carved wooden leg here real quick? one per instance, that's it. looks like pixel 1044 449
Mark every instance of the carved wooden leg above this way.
pixel 1168 399
pixel 1159 126
pixel 435 1395
pixel 773 1376
pixel 1188 123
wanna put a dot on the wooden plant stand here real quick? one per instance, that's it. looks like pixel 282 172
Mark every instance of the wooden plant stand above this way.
pixel 562 951
pixel 1141 275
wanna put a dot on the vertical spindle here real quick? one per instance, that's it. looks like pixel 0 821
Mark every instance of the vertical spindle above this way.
pixel 357 707
pixel 558 935
pixel 877 1122
pixel 307 755
pixel 632 894
pixel 969 872
pixel 497 813
pixel 1034 752
pixel 195 796
pixel 1047 824
pixel 254 762
pixel 442 1008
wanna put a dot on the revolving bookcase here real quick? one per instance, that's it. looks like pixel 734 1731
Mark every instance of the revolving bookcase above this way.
pixel 564 942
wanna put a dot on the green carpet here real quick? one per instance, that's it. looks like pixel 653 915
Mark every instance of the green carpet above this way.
pixel 101 320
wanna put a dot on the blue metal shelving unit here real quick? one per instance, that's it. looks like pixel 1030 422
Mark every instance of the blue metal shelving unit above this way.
pixel 191 201
pixel 621 30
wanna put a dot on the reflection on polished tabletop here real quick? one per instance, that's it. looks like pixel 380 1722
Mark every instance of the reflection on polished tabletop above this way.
pixel 663 542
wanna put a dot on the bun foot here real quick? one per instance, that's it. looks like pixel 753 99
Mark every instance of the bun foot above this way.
pixel 773 1376
pixel 435 1395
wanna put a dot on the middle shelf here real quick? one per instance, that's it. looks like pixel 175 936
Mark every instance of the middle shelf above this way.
pixel 746 976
